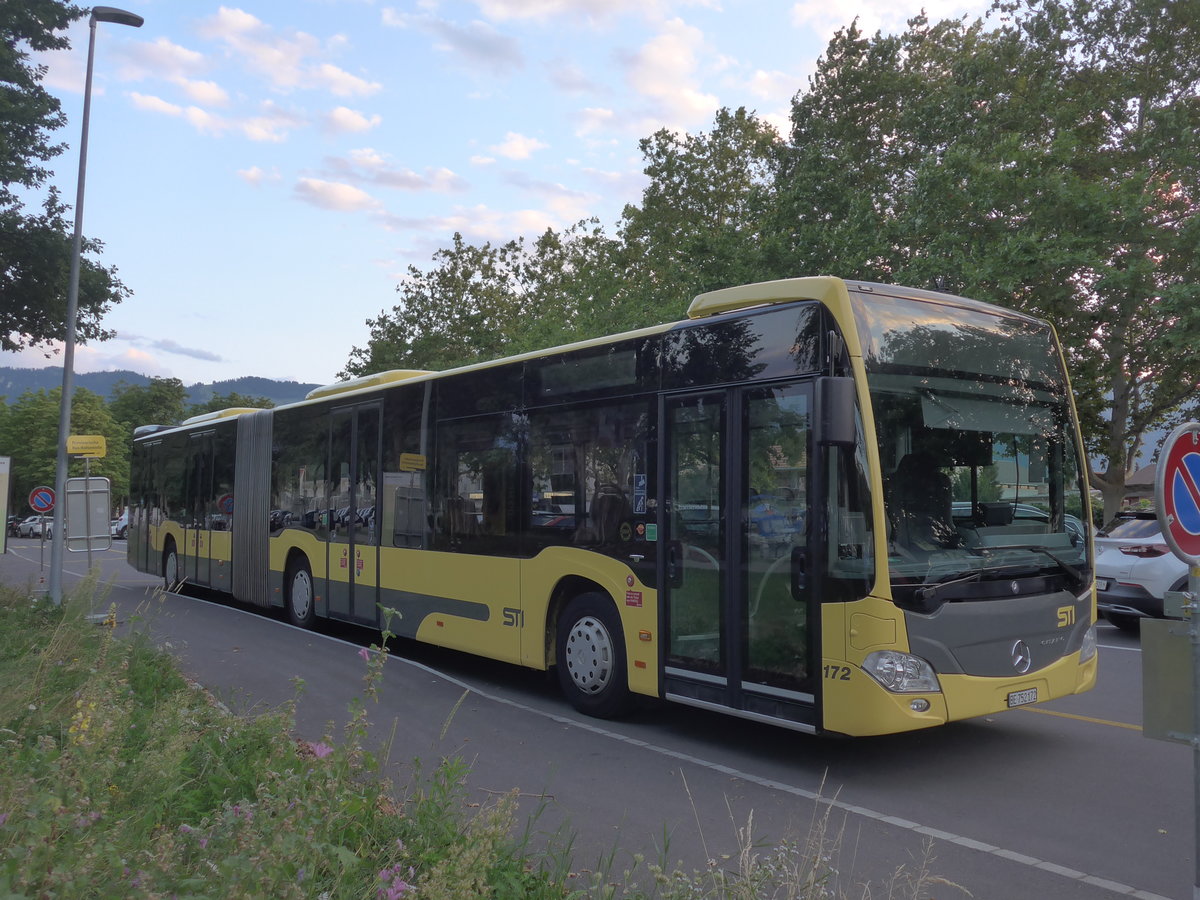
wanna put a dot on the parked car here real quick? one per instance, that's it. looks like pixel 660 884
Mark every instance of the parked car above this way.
pixel 1024 513
pixel 13 522
pixel 36 526
pixel 119 527
pixel 1134 568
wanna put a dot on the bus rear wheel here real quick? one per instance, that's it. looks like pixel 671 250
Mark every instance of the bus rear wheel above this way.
pixel 590 657
pixel 300 595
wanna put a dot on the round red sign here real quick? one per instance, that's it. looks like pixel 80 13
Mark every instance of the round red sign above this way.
pixel 1177 491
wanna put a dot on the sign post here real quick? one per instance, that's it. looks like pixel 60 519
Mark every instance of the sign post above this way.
pixel 41 501
pixel 1177 499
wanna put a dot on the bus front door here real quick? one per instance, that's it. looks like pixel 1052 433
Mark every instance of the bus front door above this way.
pixel 738 611
pixel 353 564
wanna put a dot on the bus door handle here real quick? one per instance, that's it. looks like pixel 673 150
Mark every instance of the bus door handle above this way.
pixel 799 571
pixel 674 564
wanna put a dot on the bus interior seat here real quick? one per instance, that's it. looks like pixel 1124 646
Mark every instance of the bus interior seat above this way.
pixel 609 508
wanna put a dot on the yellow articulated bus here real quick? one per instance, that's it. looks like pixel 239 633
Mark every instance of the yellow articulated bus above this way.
pixel 834 506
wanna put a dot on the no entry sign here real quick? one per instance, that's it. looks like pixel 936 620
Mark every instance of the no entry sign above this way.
pixel 1177 492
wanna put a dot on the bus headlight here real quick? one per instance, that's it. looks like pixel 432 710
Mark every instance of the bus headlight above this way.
pixel 901 673
pixel 1088 650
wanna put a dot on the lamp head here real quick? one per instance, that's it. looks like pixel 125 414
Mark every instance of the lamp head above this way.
pixel 116 16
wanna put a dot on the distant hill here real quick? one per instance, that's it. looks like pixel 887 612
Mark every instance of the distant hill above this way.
pixel 15 382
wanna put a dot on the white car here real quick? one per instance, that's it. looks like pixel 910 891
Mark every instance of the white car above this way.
pixel 1134 568
pixel 119 527
pixel 36 526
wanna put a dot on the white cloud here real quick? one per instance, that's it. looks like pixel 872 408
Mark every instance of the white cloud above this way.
pixel 273 124
pixel 253 175
pixel 368 166
pixel 828 16
pixel 570 78
pixel 775 86
pixel 664 71
pixel 334 196
pixel 340 82
pixel 343 120
pixel 478 43
pixel 150 103
pixel 478 160
pixel 159 58
pixel 517 146
pixel 287 61
pixel 586 10
pixel 593 119
pixel 208 93
pixel 204 121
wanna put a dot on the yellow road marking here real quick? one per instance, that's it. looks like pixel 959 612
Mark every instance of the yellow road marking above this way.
pixel 1063 715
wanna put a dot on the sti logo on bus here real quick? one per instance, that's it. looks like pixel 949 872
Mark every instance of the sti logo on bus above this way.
pixel 1066 616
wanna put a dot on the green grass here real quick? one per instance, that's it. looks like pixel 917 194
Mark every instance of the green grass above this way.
pixel 122 779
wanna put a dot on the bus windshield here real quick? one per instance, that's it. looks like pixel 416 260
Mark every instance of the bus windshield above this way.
pixel 982 484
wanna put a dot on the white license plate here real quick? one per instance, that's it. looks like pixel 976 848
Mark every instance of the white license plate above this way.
pixel 1020 698
pixel 1102 584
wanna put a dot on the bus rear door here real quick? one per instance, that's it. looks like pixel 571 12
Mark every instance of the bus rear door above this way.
pixel 352 588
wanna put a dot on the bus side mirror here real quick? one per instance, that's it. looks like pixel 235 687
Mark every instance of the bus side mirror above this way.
pixel 835 411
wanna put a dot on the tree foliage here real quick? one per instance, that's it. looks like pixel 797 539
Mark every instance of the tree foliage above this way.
pixel 35 248
pixel 30 437
pixel 482 302
pixel 698 227
pixel 232 400
pixel 161 402
pixel 1044 159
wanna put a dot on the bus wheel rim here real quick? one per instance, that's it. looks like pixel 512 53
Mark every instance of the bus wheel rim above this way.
pixel 589 655
pixel 172 569
pixel 301 594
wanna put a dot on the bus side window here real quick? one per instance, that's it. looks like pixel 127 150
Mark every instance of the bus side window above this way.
pixel 590 477
pixel 476 507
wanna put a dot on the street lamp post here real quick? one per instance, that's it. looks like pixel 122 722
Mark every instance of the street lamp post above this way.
pixel 58 541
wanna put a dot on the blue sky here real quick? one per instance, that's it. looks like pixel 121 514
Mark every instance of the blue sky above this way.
pixel 263 173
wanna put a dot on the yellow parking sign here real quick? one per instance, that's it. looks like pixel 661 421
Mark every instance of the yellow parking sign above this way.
pixel 92 446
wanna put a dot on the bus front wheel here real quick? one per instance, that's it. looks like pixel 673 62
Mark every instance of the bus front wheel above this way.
pixel 171 568
pixel 300 595
pixel 590 657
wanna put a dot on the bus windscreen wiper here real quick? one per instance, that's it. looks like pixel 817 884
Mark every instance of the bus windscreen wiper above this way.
pixel 1075 573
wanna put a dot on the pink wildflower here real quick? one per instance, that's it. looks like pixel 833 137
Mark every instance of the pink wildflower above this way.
pixel 365 653
pixel 320 749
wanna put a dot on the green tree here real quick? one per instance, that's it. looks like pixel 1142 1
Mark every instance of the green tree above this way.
pixel 1046 160
pixel 161 402
pixel 483 302
pixel 35 249
pixel 30 437
pixel 699 225
pixel 232 400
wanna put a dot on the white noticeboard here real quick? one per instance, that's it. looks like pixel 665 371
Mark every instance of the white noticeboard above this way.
pixel 5 473
pixel 87 514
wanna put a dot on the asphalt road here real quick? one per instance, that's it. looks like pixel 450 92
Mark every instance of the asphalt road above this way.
pixel 1063 800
